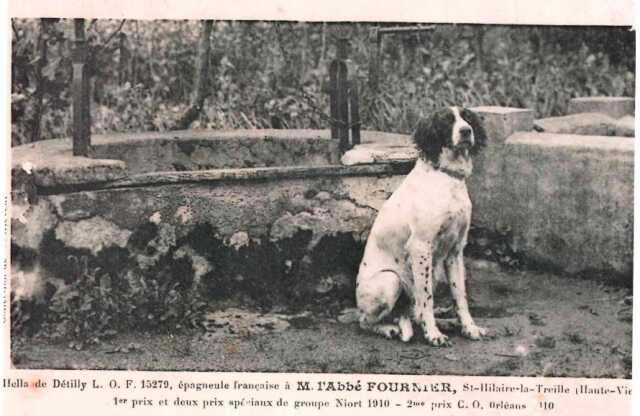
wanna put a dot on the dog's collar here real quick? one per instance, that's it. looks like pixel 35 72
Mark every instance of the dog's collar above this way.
pixel 454 174
pixel 428 165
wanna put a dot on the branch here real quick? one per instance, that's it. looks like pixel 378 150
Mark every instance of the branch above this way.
pixel 201 89
pixel 110 38
pixel 15 30
pixel 41 82
pixel 92 23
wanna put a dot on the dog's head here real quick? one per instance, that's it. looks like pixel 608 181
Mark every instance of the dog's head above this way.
pixel 448 139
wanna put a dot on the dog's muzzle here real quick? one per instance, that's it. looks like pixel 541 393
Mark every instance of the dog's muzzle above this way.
pixel 465 132
pixel 465 141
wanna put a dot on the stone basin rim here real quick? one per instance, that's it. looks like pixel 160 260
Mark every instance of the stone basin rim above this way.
pixel 220 176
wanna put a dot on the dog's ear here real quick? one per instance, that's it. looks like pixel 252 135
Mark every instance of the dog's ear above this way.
pixel 479 133
pixel 432 134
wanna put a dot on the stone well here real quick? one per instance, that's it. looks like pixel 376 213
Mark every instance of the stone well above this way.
pixel 268 212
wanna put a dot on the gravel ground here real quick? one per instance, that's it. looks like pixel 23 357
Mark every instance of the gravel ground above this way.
pixel 543 325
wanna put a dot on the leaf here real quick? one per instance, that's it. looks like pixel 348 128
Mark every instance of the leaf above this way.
pixel 465 61
pixel 49 71
pixel 105 282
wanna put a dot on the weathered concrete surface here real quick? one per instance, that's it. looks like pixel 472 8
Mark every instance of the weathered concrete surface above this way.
pixel 615 107
pixel 567 199
pixel 381 148
pixel 231 227
pixel 501 122
pixel 250 207
pixel 30 222
pixel 592 124
pixel 201 150
pixel 258 174
pixel 286 234
pixel 626 126
pixel 487 174
pixel 93 234
pixel 52 162
pixel 545 325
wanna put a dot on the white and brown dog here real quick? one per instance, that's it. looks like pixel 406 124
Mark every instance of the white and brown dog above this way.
pixel 420 233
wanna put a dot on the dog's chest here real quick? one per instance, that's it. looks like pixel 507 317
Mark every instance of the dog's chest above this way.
pixel 455 215
pixel 455 223
pixel 445 213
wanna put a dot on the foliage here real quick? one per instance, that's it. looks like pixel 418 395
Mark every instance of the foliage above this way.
pixel 516 75
pixel 496 246
pixel 97 305
pixel 274 74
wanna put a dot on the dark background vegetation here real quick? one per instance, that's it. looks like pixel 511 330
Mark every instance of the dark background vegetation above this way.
pixel 274 74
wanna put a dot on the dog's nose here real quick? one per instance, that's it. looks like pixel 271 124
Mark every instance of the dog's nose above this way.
pixel 465 132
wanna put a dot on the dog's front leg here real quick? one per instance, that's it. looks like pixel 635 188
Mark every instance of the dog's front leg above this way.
pixel 456 276
pixel 421 253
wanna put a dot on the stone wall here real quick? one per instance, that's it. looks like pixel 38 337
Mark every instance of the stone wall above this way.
pixel 293 233
pixel 187 150
pixel 616 107
pixel 566 200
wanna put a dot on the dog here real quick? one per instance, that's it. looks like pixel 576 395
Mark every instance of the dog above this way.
pixel 420 233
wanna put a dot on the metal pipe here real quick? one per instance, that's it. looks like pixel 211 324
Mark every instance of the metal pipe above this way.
pixel 80 93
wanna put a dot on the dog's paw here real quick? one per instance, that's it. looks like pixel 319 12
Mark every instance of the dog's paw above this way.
pixel 406 329
pixel 474 332
pixel 437 339
pixel 389 331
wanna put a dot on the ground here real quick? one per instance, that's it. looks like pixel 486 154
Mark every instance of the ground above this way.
pixel 544 325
